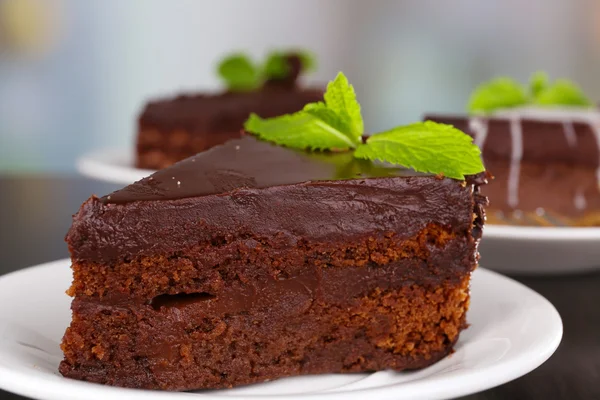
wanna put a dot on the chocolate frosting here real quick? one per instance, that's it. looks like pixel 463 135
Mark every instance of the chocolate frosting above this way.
pixel 224 112
pixel 248 163
pixel 247 186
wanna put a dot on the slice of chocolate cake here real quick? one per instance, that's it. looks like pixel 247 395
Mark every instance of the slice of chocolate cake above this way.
pixel 170 130
pixel 251 261
pixel 546 163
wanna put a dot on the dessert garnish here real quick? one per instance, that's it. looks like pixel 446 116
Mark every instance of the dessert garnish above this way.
pixel 505 92
pixel 336 124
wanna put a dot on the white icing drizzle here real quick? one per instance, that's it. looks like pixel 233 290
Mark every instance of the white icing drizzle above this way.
pixel 480 128
pixel 570 134
pixel 565 115
pixel 580 202
pixel 595 125
pixel 516 135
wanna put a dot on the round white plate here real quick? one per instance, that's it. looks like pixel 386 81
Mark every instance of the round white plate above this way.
pixel 513 330
pixel 540 250
pixel 112 165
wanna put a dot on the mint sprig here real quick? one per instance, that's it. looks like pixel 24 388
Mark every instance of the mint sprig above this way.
pixel 240 73
pixel 498 93
pixel 562 92
pixel 336 124
pixel 278 67
pixel 538 83
pixel 505 92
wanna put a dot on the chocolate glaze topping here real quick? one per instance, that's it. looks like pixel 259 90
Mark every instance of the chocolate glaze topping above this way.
pixel 225 111
pixel 249 186
pixel 248 163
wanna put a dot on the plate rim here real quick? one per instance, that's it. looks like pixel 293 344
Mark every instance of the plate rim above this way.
pixel 486 377
pixel 95 164
pixel 537 232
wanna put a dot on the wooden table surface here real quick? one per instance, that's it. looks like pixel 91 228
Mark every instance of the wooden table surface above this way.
pixel 35 213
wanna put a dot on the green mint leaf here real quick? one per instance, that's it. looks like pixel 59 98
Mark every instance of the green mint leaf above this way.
pixel 239 73
pixel 308 60
pixel 330 117
pixel 277 65
pixel 341 99
pixel 301 130
pixel 425 147
pixel 497 93
pixel 538 82
pixel 562 92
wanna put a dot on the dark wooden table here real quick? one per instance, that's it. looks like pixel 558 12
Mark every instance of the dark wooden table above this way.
pixel 35 213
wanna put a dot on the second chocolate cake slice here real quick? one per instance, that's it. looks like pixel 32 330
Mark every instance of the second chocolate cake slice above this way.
pixel 252 261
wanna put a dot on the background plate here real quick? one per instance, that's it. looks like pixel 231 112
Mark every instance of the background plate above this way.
pixel 513 330
pixel 112 165
pixel 540 250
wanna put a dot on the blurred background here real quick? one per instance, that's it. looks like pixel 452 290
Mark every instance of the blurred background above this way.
pixel 74 74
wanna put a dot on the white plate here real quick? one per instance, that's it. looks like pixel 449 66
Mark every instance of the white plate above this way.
pixel 540 250
pixel 513 330
pixel 112 165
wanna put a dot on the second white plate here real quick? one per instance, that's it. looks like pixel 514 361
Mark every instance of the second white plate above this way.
pixel 112 165
pixel 523 250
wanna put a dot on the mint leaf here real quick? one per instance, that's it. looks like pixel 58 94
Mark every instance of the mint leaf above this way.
pixel 276 66
pixel 330 117
pixel 336 124
pixel 497 93
pixel 308 60
pixel 562 92
pixel 301 130
pixel 341 98
pixel 333 124
pixel 239 73
pixel 425 147
pixel 538 82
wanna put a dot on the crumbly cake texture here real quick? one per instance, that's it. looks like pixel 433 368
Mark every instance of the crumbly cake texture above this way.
pixel 171 130
pixel 252 262
pixel 532 154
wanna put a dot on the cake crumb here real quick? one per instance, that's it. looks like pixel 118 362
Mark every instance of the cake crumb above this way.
pixel 178 184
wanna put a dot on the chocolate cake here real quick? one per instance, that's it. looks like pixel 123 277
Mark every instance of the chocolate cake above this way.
pixel 546 164
pixel 251 262
pixel 170 130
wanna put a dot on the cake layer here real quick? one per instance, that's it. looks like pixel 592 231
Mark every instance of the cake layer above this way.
pixel 432 256
pixel 535 153
pixel 341 320
pixel 171 130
